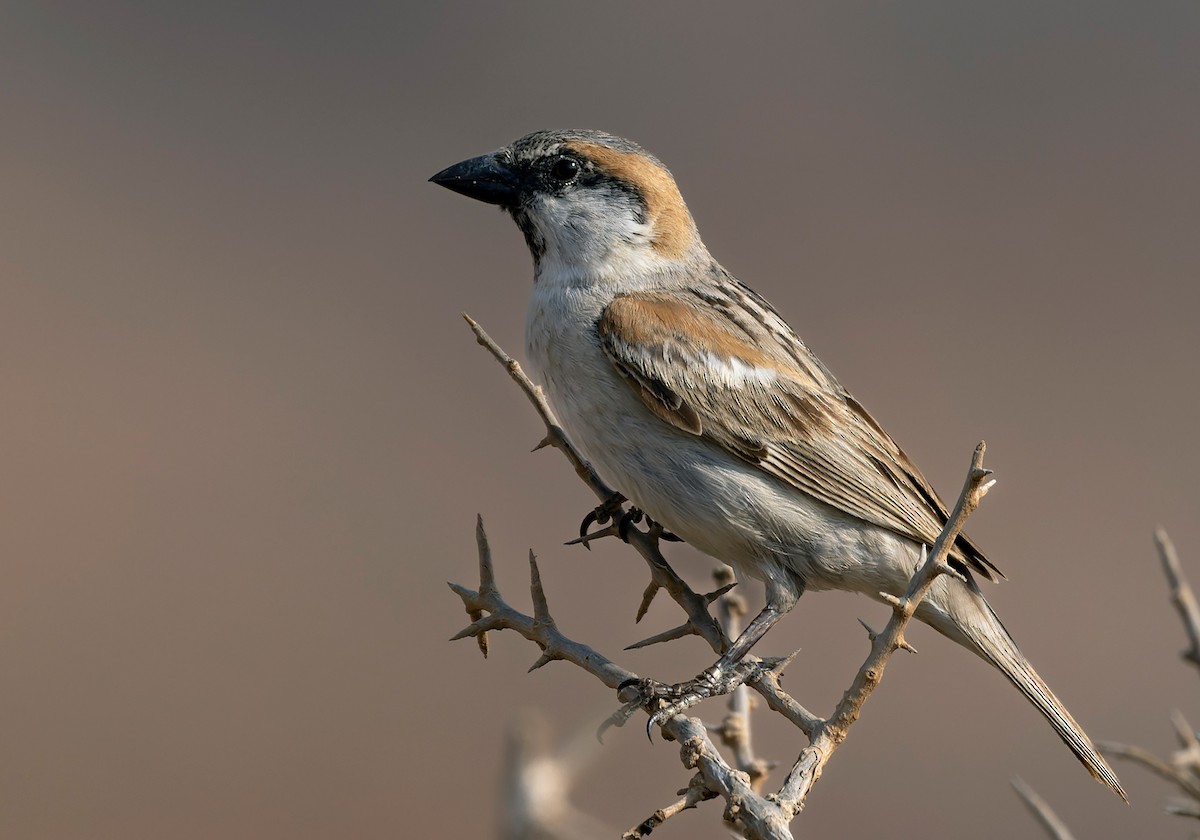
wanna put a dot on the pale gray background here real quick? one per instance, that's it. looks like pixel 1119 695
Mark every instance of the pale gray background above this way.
pixel 246 434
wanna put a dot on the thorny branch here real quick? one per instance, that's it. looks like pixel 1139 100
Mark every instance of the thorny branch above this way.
pixel 697 751
pixel 756 816
pixel 1183 768
pixel 734 730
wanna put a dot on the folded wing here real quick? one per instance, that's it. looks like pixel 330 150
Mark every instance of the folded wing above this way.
pixel 722 364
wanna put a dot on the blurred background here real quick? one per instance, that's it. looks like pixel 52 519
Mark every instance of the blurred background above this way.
pixel 245 432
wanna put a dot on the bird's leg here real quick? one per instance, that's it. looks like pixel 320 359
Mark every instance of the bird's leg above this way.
pixel 726 674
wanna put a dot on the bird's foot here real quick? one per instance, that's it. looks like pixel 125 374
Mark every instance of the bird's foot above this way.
pixel 601 515
pixel 663 701
pixel 612 509
pixel 633 516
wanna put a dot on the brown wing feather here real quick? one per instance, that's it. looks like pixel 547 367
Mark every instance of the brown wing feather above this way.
pixel 751 386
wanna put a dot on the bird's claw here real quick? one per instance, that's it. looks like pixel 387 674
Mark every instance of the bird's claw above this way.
pixel 663 701
pixel 618 718
pixel 629 518
pixel 600 515
pixel 634 515
pixel 604 513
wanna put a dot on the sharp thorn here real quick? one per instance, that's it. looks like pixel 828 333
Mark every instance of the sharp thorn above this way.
pixel 947 569
pixel 647 598
pixel 462 591
pixel 487 575
pixel 714 595
pixel 789 659
pixel 471 629
pixel 671 635
pixel 541 607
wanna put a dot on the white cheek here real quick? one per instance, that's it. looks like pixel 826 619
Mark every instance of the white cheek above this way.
pixel 585 237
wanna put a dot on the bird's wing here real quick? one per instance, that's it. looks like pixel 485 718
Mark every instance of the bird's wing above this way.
pixel 722 364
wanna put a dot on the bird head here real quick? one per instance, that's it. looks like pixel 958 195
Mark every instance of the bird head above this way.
pixel 588 203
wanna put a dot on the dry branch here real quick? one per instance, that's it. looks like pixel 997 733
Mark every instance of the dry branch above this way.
pixel 1042 811
pixel 1181 595
pixel 1151 762
pixel 758 818
pixel 539 628
pixel 1183 768
pixel 735 730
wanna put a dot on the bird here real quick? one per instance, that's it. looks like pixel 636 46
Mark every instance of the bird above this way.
pixel 691 395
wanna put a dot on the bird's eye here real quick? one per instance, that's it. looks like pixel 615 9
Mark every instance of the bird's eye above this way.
pixel 564 169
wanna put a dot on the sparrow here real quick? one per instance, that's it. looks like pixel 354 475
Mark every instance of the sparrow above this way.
pixel 690 394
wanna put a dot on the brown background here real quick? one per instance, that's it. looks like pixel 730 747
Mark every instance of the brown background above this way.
pixel 245 433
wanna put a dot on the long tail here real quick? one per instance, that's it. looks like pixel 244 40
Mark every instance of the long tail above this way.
pixel 972 623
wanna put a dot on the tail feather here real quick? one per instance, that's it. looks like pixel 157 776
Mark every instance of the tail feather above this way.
pixel 981 630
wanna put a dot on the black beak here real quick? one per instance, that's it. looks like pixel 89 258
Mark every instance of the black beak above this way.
pixel 483 178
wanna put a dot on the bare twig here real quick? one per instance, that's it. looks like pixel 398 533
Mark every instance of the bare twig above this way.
pixel 1181 595
pixel 758 818
pixel 1183 808
pixel 735 729
pixel 1041 811
pixel 539 628
pixel 1188 754
pixel 684 629
pixel 695 793
pixel 1148 760
pixel 1183 769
